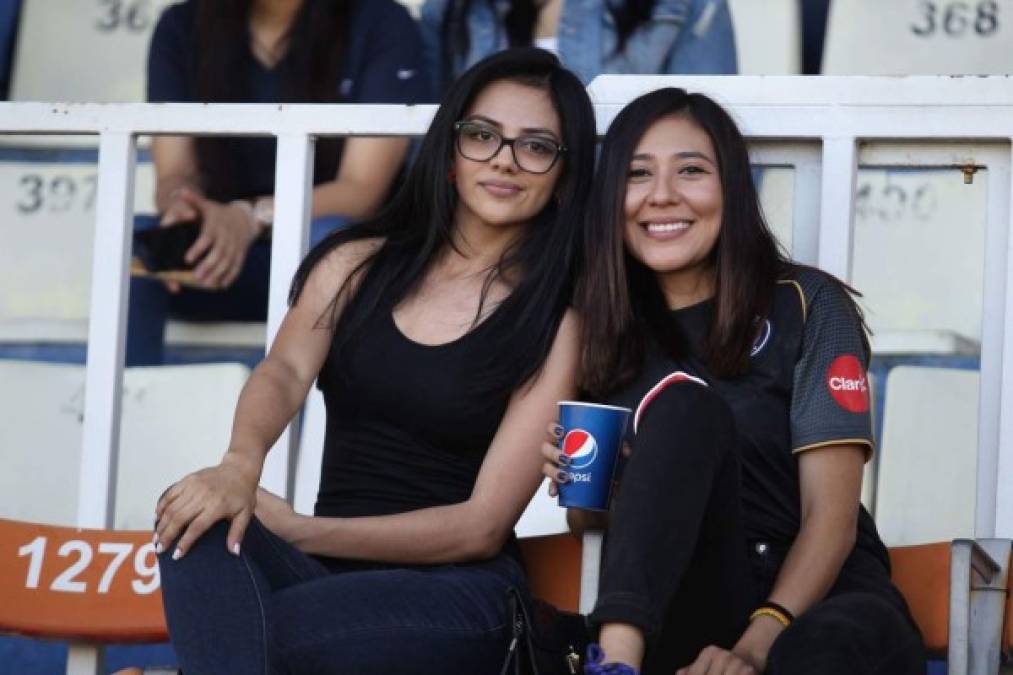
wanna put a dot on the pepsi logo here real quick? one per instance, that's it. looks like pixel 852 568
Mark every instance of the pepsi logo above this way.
pixel 848 383
pixel 580 447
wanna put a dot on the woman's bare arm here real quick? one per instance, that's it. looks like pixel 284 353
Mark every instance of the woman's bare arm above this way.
pixel 275 390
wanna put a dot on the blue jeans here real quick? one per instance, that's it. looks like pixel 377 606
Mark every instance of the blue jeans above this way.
pixel 151 305
pixel 277 610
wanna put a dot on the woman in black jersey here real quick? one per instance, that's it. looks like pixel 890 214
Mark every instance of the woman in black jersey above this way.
pixel 736 542
pixel 439 335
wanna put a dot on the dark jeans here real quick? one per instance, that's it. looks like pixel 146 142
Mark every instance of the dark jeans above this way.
pixel 151 305
pixel 677 563
pixel 276 610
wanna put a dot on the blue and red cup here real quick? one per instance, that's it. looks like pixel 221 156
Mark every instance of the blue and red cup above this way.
pixel 592 436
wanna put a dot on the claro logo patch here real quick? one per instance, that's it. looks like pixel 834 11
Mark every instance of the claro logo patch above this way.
pixel 848 383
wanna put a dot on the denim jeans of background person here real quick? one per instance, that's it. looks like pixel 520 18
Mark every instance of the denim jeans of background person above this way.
pixel 693 37
pixel 152 305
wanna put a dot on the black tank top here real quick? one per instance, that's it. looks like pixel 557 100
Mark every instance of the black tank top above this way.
pixel 403 432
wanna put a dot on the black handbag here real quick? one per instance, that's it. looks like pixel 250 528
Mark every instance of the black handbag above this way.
pixel 545 641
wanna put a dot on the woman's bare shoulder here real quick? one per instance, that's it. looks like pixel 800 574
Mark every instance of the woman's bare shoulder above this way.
pixel 333 270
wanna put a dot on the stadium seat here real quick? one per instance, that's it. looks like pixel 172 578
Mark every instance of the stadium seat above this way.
pixel 83 51
pixel 928 449
pixel 47 221
pixel 553 566
pixel 921 297
pixel 768 36
pixel 175 419
pixel 48 211
pixel 872 37
pixel 964 625
pixel 84 586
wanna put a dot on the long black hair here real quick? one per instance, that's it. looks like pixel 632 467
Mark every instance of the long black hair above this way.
pixel 418 225
pixel 620 298
pixel 519 25
pixel 309 72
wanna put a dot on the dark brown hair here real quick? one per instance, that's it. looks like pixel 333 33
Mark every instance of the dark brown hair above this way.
pixel 310 71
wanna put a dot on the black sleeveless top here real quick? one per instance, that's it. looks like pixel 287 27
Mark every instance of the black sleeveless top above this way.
pixel 403 432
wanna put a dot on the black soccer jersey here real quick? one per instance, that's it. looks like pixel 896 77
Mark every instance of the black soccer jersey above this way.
pixel 807 388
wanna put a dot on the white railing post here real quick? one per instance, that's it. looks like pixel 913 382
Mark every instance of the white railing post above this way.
pixel 293 185
pixel 96 498
pixel 805 237
pixel 994 507
pixel 837 205
pixel 107 330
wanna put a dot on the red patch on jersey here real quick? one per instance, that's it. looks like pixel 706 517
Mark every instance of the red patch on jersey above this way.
pixel 848 383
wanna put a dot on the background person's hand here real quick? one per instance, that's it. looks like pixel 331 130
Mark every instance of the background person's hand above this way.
pixel 187 509
pixel 227 231
pixel 180 208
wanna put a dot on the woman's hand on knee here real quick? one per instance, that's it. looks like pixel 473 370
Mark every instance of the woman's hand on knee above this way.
pixel 716 661
pixel 187 509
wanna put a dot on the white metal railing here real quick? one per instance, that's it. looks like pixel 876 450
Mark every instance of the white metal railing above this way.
pixel 823 127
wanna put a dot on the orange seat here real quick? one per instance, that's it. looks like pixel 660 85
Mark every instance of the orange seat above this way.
pixel 922 574
pixel 66 583
pixel 553 566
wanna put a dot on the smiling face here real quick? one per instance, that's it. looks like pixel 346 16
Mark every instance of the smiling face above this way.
pixel 674 203
pixel 497 191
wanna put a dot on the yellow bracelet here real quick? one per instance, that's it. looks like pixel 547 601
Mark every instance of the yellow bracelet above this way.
pixel 772 613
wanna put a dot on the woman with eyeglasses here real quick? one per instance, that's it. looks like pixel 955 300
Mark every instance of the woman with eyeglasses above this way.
pixel 440 336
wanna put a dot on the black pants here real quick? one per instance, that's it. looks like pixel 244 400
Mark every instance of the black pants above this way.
pixel 677 563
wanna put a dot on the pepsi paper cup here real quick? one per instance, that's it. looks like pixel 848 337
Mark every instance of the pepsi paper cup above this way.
pixel 592 436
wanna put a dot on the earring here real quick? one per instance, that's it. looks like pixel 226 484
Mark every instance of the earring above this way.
pixel 451 175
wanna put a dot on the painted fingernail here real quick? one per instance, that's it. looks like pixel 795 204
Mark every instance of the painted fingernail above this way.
pixel 563 477
pixel 557 431
pixel 177 554
pixel 235 548
pixel 563 459
pixel 158 548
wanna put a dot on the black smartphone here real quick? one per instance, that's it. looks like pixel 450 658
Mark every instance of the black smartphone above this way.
pixel 163 248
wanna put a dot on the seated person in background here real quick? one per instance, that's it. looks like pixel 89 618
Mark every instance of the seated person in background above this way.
pixel 264 51
pixel 591 37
